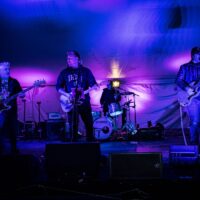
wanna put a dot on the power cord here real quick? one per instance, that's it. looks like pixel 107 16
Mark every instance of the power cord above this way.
pixel 182 128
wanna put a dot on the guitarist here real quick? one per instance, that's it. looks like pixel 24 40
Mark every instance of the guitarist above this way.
pixel 8 118
pixel 72 82
pixel 187 80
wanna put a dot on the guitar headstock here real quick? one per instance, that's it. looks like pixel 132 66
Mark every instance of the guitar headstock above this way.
pixel 40 83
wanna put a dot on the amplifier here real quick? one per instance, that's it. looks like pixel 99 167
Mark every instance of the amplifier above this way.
pixel 153 133
pixel 55 129
pixel 54 115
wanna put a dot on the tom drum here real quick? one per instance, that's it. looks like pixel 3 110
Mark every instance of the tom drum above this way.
pixel 114 109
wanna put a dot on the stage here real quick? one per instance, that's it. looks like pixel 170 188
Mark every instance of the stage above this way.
pixel 117 169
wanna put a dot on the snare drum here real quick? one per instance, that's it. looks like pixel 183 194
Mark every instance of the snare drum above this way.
pixel 103 128
pixel 114 109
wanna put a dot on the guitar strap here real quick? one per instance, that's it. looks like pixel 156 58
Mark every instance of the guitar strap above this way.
pixel 77 85
pixel 182 126
pixel 75 106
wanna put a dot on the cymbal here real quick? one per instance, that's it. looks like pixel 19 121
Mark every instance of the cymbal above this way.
pixel 127 93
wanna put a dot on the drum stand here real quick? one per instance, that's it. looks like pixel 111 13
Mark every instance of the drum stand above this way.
pixel 23 131
pixel 39 129
pixel 115 128
pixel 129 126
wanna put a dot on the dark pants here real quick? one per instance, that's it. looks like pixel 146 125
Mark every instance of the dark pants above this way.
pixel 193 111
pixel 8 130
pixel 85 111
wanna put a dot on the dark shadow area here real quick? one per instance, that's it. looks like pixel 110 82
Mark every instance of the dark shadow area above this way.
pixel 144 169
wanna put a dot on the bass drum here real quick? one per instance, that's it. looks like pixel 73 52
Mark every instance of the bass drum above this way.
pixel 103 128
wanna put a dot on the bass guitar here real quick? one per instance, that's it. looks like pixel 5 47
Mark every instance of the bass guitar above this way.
pixel 67 102
pixel 184 98
pixel 4 102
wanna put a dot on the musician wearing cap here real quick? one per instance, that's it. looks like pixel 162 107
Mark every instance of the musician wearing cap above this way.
pixel 110 99
pixel 8 113
pixel 188 78
pixel 74 84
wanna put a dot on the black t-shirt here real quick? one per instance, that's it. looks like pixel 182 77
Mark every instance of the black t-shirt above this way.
pixel 80 77
pixel 13 87
pixel 107 97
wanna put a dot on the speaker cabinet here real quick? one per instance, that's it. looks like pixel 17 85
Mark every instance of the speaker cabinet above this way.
pixel 16 170
pixel 135 166
pixel 55 129
pixel 72 160
pixel 153 133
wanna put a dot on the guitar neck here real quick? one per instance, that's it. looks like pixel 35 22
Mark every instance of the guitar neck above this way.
pixel 16 95
pixel 90 89
pixel 87 91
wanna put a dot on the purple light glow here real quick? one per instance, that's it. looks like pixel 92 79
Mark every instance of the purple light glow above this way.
pixel 176 61
pixel 28 75
pixel 143 100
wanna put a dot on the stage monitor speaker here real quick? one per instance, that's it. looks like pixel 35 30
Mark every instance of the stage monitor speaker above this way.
pixel 127 166
pixel 18 170
pixel 153 133
pixel 183 155
pixel 72 160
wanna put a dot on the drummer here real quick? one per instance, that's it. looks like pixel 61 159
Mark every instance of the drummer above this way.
pixel 108 96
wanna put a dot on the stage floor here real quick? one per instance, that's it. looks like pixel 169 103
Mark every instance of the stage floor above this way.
pixel 170 179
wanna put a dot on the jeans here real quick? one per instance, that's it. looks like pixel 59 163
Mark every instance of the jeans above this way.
pixel 8 129
pixel 193 111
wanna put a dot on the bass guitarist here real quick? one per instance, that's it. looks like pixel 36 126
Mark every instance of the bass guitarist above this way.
pixel 74 84
pixel 8 118
pixel 188 78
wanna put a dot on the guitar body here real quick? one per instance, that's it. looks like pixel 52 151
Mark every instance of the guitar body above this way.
pixel 184 98
pixel 66 103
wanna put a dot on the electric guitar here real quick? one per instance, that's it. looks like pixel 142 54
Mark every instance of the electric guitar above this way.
pixel 4 102
pixel 184 98
pixel 67 102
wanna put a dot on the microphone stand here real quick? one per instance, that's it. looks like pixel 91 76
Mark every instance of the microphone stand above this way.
pixel 134 107
pixel 75 110
pixel 134 104
pixel 39 130
pixel 75 114
pixel 23 131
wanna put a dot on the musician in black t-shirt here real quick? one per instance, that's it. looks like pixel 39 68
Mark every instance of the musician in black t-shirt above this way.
pixel 108 96
pixel 8 118
pixel 74 84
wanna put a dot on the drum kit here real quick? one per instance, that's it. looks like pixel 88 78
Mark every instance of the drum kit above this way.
pixel 105 127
